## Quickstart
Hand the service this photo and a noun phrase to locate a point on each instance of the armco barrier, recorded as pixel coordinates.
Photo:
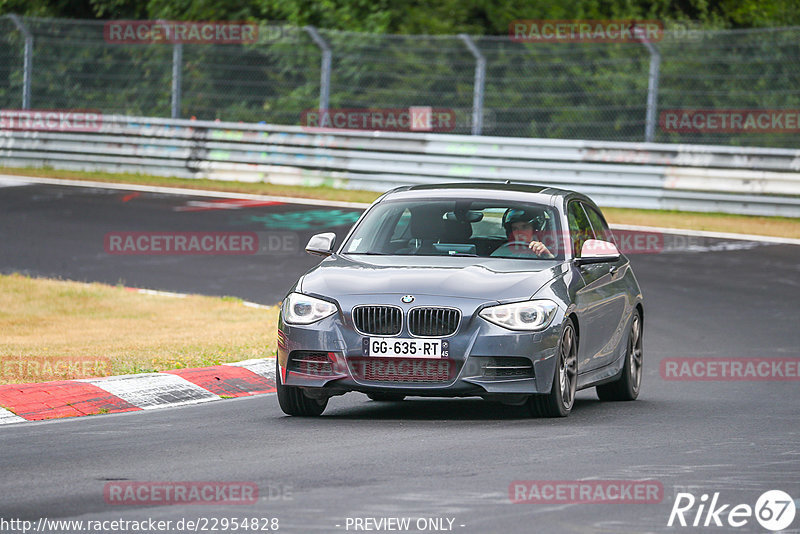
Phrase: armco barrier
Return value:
(757, 181)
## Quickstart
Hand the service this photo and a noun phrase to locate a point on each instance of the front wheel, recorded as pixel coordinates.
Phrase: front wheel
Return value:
(294, 402)
(558, 403)
(626, 388)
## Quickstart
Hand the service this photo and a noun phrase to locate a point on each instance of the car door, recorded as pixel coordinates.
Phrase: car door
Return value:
(600, 303)
(615, 286)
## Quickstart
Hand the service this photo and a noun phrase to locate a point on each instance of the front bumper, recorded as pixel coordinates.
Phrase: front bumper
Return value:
(326, 359)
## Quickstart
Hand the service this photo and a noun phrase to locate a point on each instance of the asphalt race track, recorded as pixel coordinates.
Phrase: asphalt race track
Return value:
(450, 459)
(57, 231)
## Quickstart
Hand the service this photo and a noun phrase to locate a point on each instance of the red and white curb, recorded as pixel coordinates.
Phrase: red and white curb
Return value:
(8, 417)
(128, 393)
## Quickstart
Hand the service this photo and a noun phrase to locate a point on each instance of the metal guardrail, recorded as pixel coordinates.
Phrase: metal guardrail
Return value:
(758, 181)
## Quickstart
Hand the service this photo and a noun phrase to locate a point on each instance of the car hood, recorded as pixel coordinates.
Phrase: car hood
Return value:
(467, 277)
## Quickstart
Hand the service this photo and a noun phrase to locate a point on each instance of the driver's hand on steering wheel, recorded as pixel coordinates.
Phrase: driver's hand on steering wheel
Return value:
(538, 248)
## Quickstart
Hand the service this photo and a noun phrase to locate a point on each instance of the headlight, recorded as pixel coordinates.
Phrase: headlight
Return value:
(528, 315)
(302, 309)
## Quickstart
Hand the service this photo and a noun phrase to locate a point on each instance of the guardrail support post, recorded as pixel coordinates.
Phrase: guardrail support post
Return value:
(325, 67)
(177, 73)
(480, 79)
(652, 90)
(27, 71)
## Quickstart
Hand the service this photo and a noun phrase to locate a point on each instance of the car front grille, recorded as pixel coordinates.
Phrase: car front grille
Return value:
(433, 322)
(378, 320)
(403, 370)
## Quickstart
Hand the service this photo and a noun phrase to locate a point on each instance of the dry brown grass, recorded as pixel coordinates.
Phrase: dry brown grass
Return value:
(712, 222)
(56, 330)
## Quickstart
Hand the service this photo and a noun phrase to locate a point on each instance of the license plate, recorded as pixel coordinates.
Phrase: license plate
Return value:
(392, 347)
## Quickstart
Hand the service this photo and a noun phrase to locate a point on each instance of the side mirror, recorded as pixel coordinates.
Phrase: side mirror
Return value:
(597, 251)
(321, 244)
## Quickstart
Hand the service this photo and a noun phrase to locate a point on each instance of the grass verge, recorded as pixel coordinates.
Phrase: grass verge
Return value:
(712, 222)
(60, 330)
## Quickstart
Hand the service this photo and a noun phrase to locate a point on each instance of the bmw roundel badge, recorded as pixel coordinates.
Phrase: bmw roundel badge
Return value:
(408, 299)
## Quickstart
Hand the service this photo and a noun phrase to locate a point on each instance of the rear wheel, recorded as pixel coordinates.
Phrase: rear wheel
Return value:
(386, 397)
(626, 388)
(294, 402)
(558, 403)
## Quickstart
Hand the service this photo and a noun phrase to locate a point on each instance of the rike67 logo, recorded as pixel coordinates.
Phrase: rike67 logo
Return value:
(774, 511)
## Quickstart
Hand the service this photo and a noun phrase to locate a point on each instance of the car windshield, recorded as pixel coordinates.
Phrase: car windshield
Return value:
(476, 228)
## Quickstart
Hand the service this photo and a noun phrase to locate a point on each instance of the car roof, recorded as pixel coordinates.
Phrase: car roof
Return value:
(493, 190)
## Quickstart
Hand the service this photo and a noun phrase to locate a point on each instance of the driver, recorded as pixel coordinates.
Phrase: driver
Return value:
(521, 230)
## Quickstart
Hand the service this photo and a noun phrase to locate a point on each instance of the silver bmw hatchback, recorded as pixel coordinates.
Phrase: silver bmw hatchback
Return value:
(514, 293)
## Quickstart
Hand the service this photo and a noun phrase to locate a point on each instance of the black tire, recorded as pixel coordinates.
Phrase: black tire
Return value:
(627, 386)
(559, 402)
(294, 402)
(386, 397)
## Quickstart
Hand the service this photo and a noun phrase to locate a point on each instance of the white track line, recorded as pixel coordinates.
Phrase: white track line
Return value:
(359, 205)
(703, 233)
(255, 305)
(10, 181)
(154, 390)
(7, 417)
(159, 293)
(185, 192)
(264, 367)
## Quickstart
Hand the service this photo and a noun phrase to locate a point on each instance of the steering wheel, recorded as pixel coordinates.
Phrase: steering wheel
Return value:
(524, 246)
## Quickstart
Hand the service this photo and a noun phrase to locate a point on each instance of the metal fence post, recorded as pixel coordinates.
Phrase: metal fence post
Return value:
(325, 67)
(27, 71)
(652, 89)
(480, 78)
(177, 73)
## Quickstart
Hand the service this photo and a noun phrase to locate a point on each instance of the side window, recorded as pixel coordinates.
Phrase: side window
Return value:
(579, 227)
(599, 225)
